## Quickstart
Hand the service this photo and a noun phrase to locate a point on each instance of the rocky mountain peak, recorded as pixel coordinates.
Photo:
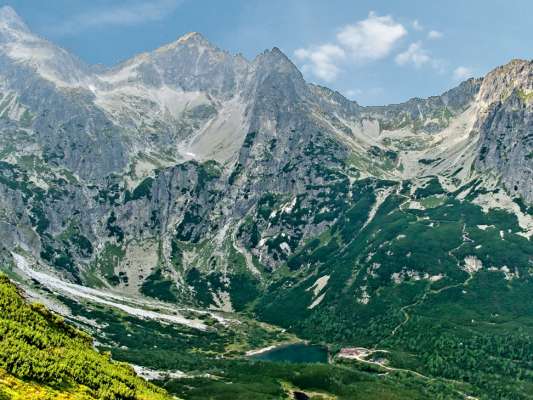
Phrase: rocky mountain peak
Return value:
(10, 20)
(192, 40)
(275, 59)
(275, 69)
(44, 58)
(190, 63)
(503, 80)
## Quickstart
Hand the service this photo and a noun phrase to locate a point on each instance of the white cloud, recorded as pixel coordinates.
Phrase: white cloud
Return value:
(367, 40)
(321, 61)
(415, 55)
(462, 72)
(369, 93)
(417, 26)
(127, 14)
(353, 93)
(372, 38)
(435, 35)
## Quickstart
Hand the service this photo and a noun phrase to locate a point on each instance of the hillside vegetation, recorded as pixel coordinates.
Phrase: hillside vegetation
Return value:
(42, 357)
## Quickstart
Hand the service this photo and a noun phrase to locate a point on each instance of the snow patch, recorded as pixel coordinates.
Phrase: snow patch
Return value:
(317, 301)
(485, 227)
(317, 288)
(287, 209)
(503, 201)
(365, 297)
(381, 196)
(319, 284)
(285, 247)
(509, 275)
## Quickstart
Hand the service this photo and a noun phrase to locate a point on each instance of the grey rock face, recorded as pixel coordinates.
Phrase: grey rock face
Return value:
(69, 129)
(506, 127)
(506, 144)
(99, 159)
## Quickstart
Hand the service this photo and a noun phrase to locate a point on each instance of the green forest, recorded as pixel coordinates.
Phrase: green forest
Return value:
(42, 357)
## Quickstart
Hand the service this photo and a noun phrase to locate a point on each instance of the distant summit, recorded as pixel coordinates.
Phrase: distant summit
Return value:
(9, 19)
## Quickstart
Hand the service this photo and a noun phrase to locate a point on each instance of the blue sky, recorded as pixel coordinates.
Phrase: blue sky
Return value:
(375, 52)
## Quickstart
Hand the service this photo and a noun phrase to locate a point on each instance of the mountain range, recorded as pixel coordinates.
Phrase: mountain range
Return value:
(193, 187)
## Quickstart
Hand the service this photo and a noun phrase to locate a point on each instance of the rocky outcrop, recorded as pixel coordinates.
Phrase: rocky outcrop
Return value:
(505, 127)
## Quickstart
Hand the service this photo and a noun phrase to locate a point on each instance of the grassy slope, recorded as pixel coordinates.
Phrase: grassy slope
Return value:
(12, 388)
(41, 357)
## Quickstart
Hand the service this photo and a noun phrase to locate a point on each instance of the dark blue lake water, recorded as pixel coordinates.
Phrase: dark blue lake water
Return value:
(295, 353)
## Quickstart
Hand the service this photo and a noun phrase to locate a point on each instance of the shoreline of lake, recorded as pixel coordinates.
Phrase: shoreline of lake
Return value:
(299, 352)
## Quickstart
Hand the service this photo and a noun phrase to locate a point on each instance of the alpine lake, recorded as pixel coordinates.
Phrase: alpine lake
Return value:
(295, 353)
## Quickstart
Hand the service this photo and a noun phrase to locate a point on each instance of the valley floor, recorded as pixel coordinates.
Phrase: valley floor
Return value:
(210, 359)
